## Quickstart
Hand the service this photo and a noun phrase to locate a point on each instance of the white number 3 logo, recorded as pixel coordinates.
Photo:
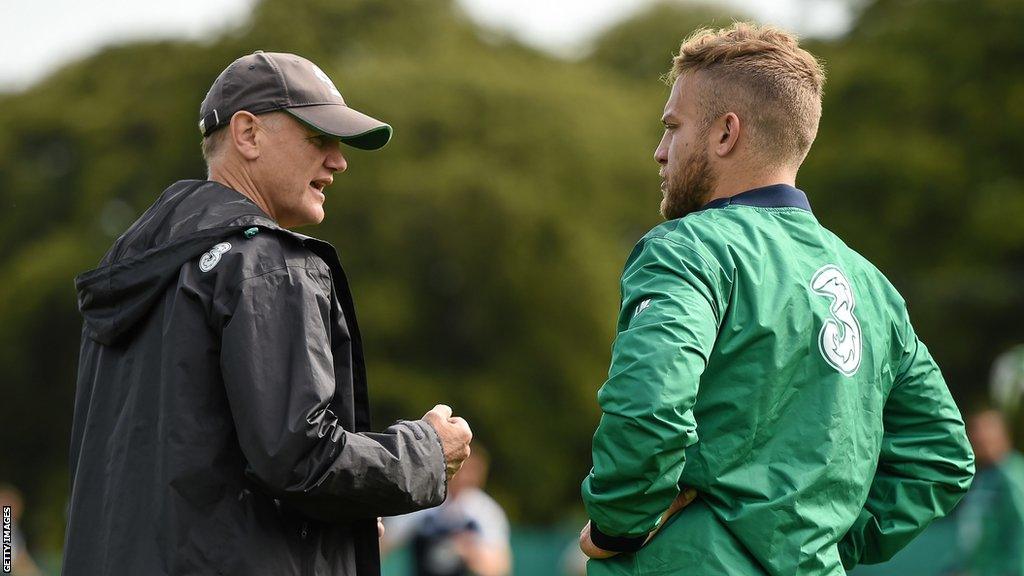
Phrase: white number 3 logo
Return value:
(840, 337)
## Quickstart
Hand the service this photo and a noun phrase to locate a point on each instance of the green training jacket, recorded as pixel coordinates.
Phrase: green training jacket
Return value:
(763, 362)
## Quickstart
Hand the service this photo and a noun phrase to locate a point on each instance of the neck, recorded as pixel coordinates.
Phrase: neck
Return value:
(237, 178)
(733, 182)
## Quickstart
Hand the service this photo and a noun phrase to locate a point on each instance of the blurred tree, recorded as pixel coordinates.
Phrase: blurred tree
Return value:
(642, 46)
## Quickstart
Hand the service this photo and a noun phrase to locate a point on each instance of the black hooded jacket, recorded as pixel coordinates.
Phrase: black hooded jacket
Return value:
(221, 418)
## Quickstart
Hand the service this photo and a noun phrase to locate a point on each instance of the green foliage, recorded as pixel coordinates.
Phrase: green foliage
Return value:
(484, 243)
(642, 47)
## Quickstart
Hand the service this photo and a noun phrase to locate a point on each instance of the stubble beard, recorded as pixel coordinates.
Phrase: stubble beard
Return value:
(691, 189)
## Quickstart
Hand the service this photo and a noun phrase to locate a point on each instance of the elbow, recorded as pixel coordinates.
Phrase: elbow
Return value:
(289, 467)
(970, 468)
(964, 471)
(281, 478)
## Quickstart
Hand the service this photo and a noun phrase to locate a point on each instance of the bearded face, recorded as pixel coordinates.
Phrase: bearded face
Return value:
(688, 177)
(688, 185)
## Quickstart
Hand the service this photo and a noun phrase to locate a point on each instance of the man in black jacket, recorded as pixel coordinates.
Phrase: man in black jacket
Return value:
(221, 418)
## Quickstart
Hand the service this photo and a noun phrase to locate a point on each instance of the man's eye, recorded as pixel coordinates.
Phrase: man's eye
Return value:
(318, 141)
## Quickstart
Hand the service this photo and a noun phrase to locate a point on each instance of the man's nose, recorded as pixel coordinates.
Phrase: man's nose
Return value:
(336, 160)
(661, 152)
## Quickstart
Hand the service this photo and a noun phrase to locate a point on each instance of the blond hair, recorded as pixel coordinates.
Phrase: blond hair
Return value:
(762, 75)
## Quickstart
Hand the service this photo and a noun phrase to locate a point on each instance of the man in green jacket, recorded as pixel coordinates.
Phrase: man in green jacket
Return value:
(760, 365)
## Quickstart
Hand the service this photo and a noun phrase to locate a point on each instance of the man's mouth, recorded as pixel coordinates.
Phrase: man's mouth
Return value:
(320, 183)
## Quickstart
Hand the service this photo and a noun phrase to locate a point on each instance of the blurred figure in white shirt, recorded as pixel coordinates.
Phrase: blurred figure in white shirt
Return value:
(466, 535)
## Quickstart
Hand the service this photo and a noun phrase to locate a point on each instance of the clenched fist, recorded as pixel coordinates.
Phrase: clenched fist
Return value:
(455, 436)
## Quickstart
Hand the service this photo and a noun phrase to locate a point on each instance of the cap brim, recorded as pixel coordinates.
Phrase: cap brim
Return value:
(348, 125)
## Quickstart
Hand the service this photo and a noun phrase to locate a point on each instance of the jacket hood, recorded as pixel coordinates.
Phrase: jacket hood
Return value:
(187, 219)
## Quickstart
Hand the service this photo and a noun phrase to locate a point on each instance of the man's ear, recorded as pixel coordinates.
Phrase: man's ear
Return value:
(726, 133)
(243, 134)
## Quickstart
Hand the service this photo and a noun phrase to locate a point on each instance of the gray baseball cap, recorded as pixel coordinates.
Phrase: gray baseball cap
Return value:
(263, 82)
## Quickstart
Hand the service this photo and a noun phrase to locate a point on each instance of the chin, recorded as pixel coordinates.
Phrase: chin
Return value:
(308, 218)
(313, 219)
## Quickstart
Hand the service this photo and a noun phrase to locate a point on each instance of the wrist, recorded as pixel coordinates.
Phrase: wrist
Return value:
(615, 543)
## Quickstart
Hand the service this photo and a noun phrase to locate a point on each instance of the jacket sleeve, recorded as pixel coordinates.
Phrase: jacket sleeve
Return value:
(666, 330)
(925, 465)
(278, 371)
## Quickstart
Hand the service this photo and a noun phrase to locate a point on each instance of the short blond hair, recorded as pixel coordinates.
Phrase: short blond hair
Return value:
(761, 74)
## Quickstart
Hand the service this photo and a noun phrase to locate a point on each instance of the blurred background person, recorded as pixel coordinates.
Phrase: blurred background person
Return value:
(466, 535)
(22, 562)
(990, 520)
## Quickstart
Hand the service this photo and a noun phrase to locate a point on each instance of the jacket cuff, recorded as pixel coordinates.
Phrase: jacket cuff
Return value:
(427, 429)
(615, 543)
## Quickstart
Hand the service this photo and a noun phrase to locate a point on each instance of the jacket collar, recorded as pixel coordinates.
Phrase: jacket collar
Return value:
(773, 196)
